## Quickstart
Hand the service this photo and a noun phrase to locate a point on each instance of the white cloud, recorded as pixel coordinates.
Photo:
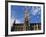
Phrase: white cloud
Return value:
(18, 21)
(35, 10)
(12, 20)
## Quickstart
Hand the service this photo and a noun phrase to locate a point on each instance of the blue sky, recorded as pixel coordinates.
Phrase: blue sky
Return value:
(17, 12)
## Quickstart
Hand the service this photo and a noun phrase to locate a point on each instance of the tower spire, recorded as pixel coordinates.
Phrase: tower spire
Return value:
(26, 18)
